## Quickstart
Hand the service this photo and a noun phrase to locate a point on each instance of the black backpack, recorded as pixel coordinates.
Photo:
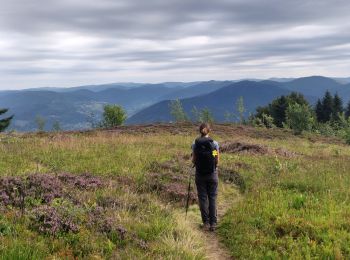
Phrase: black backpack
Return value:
(205, 159)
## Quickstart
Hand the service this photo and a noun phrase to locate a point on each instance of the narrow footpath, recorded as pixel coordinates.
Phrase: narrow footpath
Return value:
(214, 249)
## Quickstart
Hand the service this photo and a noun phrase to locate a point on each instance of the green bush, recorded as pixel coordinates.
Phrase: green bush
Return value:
(113, 115)
(177, 111)
(299, 118)
(346, 135)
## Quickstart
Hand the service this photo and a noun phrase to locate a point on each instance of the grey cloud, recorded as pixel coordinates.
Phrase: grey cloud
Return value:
(107, 38)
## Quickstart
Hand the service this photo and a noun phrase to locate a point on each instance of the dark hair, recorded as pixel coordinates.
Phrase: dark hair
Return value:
(204, 129)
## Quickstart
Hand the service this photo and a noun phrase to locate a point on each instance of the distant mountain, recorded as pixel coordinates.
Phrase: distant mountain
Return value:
(219, 102)
(121, 85)
(150, 102)
(281, 79)
(313, 86)
(94, 88)
(196, 90)
(72, 107)
(342, 80)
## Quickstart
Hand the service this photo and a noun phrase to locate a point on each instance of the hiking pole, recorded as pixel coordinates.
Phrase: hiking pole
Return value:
(188, 192)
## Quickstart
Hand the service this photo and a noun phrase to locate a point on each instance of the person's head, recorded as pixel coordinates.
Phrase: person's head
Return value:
(204, 129)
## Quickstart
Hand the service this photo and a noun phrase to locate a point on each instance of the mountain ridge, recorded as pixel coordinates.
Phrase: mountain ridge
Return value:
(73, 107)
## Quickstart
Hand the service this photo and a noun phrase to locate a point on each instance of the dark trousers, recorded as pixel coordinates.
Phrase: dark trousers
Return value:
(207, 189)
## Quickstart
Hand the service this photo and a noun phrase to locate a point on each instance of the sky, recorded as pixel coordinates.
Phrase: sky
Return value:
(62, 43)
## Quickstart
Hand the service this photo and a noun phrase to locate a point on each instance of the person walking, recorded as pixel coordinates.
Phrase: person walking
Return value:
(205, 157)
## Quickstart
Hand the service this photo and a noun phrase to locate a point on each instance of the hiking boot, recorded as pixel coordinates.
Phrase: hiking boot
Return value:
(205, 226)
(212, 227)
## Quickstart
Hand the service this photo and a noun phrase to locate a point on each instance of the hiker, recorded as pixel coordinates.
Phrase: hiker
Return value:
(205, 157)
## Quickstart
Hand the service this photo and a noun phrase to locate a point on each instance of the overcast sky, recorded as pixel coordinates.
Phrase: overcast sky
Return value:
(75, 42)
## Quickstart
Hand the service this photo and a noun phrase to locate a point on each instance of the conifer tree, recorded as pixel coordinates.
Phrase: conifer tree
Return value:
(327, 107)
(4, 123)
(278, 110)
(337, 105)
(319, 111)
(347, 110)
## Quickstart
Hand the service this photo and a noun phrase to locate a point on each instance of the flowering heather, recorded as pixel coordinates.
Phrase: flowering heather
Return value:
(98, 220)
(44, 187)
(82, 181)
(10, 190)
(52, 221)
(105, 224)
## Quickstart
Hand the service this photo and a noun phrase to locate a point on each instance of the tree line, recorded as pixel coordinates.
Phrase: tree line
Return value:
(113, 115)
(293, 111)
(328, 116)
(205, 115)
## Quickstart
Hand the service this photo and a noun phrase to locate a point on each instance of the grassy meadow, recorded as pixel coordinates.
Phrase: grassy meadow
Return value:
(289, 204)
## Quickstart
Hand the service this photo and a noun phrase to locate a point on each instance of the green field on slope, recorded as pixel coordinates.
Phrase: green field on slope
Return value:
(121, 193)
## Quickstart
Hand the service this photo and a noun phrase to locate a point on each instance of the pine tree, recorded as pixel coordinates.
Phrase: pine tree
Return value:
(327, 105)
(347, 110)
(297, 98)
(319, 111)
(278, 110)
(4, 123)
(337, 105)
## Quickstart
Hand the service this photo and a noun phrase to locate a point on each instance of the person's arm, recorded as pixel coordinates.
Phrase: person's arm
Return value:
(217, 158)
(193, 154)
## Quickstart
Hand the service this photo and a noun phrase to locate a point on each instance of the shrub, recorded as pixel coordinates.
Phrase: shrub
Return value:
(206, 116)
(40, 122)
(299, 118)
(177, 111)
(43, 186)
(347, 135)
(241, 109)
(264, 120)
(113, 115)
(52, 220)
(82, 181)
(11, 189)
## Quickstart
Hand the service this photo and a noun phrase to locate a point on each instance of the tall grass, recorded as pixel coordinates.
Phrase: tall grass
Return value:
(295, 207)
(108, 155)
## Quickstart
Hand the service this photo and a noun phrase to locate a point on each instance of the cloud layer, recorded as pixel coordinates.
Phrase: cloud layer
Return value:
(73, 42)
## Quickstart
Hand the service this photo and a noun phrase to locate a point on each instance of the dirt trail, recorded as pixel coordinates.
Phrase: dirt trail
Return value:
(228, 195)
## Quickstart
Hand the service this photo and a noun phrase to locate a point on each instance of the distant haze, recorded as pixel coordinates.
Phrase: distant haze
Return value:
(61, 43)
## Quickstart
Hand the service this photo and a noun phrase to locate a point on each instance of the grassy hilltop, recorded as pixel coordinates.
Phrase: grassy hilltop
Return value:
(121, 193)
